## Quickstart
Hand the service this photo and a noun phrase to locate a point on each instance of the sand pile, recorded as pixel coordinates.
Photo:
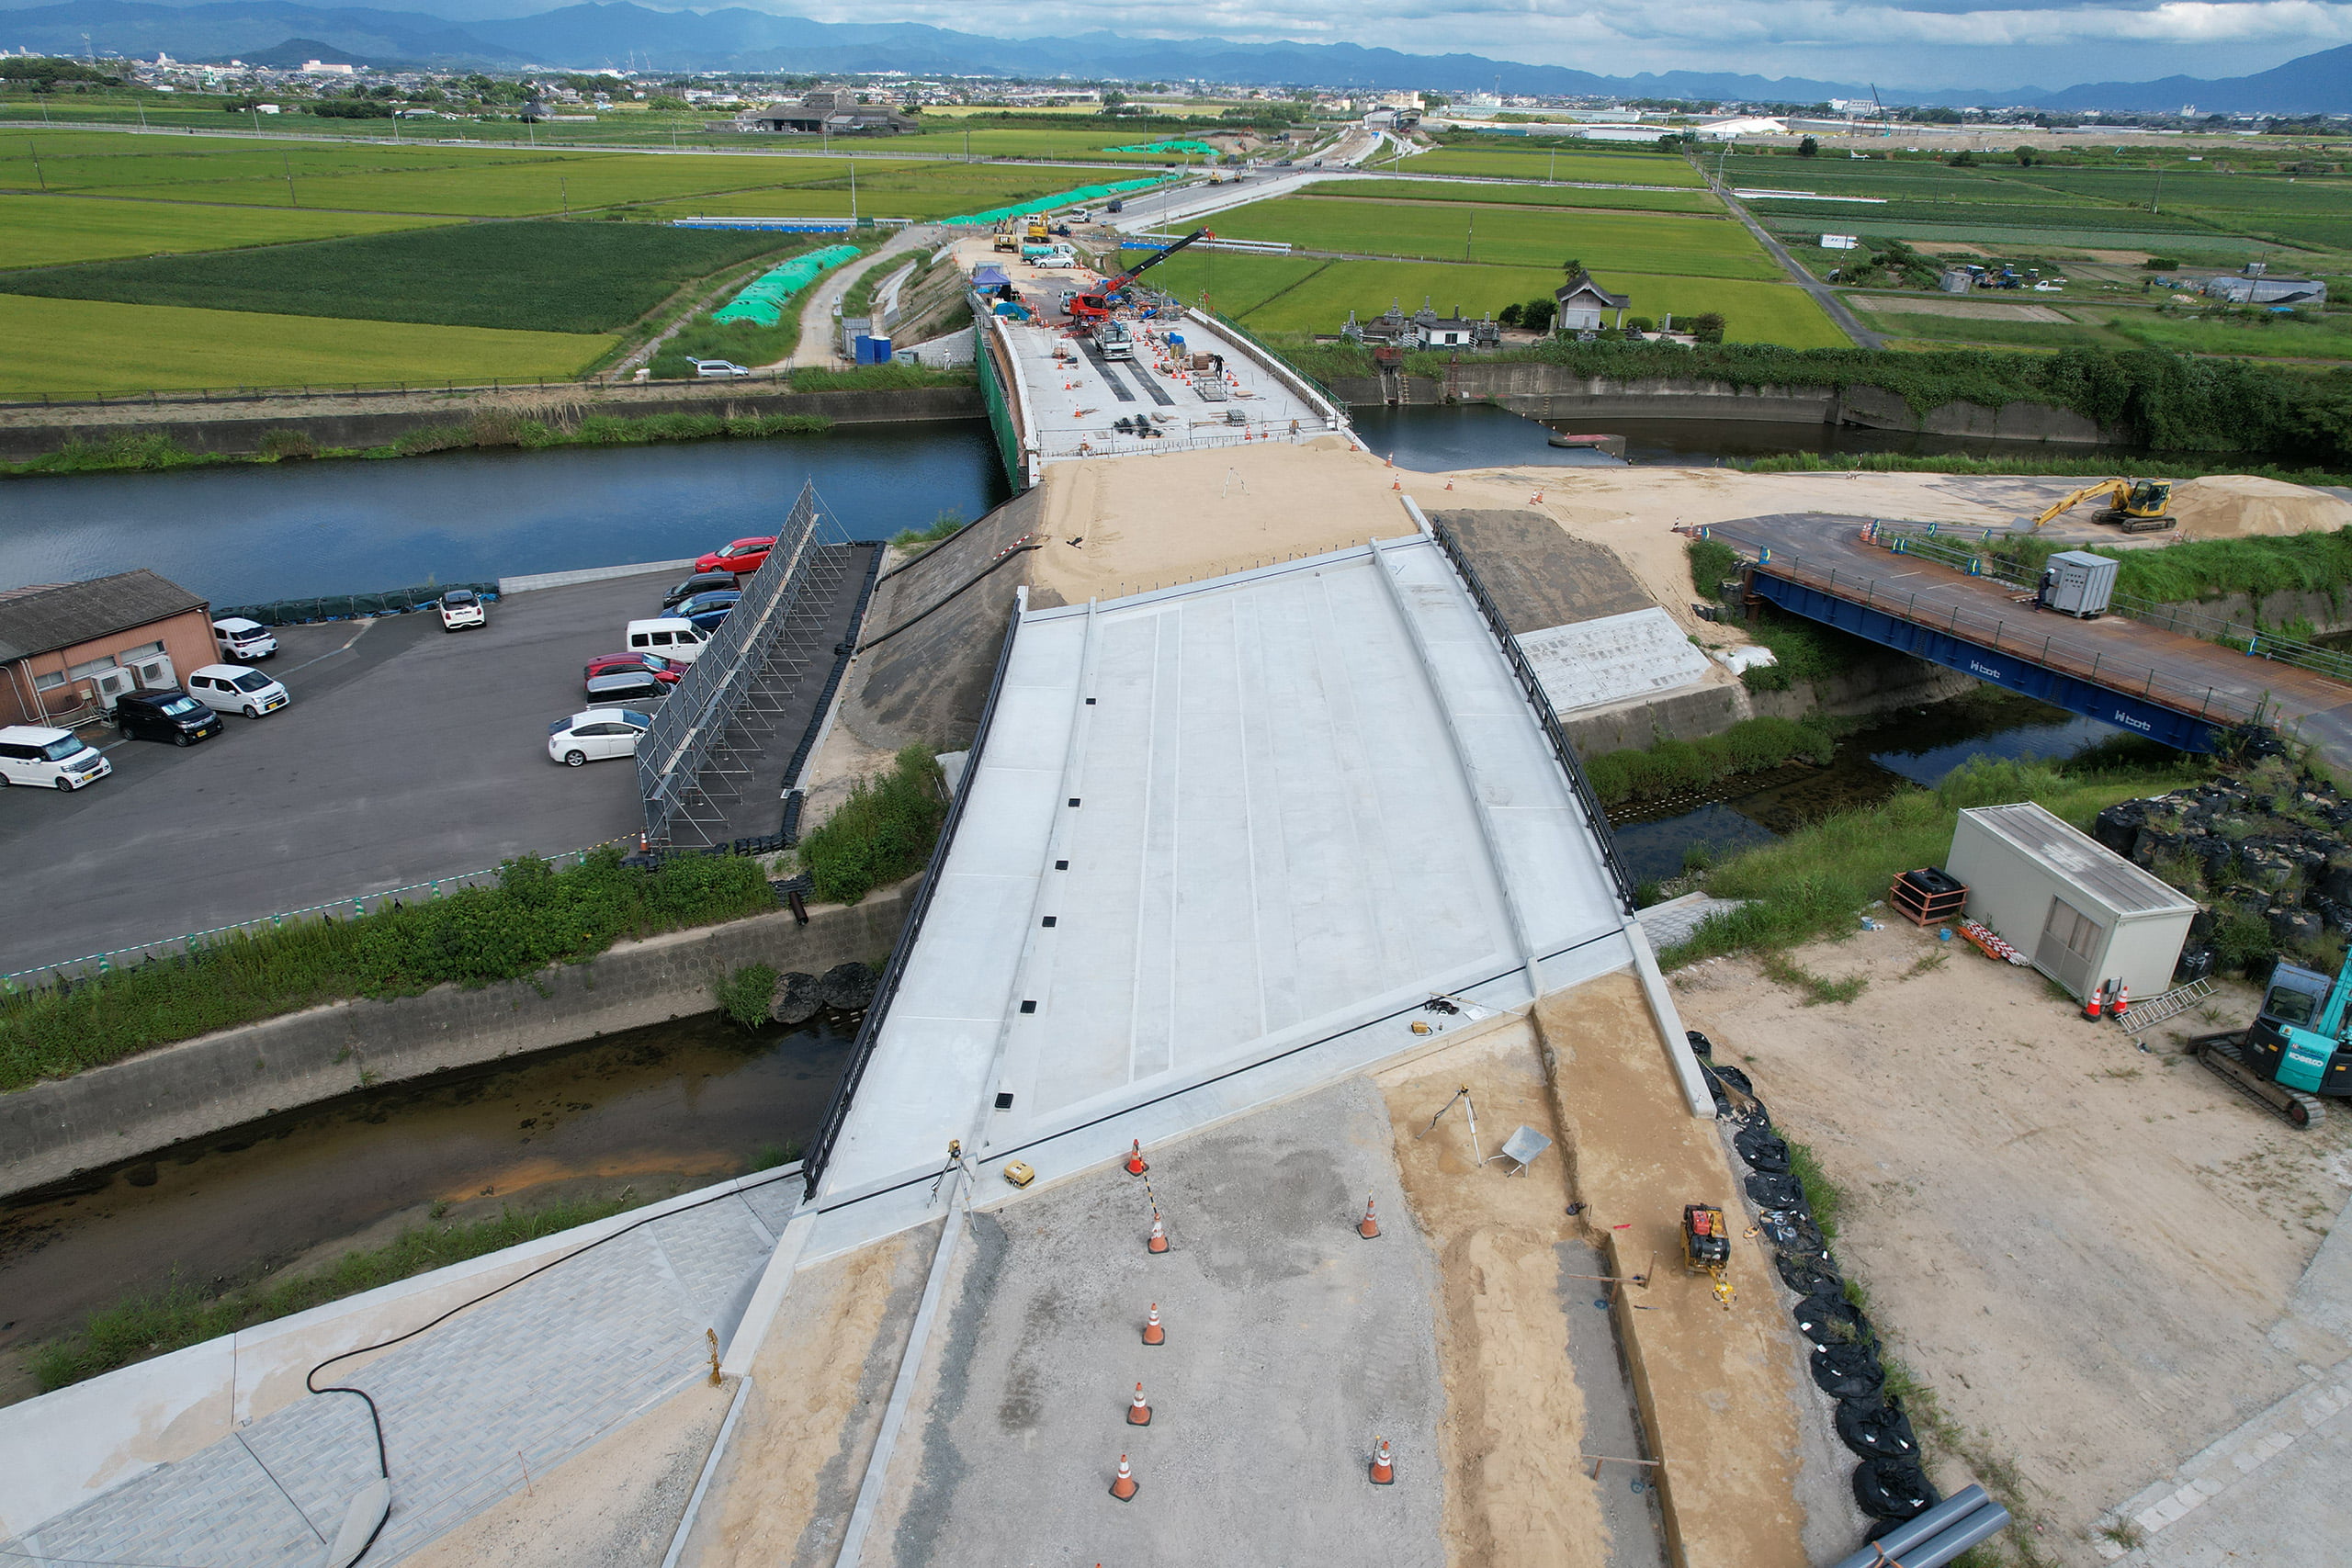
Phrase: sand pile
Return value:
(2239, 506)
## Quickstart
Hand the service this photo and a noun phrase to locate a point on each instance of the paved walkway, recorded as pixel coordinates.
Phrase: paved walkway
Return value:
(470, 1410)
(820, 329)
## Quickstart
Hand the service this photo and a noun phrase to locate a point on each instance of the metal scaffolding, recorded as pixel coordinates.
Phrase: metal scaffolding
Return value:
(719, 720)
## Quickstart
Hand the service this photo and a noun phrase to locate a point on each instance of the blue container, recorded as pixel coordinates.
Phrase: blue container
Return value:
(881, 351)
(864, 347)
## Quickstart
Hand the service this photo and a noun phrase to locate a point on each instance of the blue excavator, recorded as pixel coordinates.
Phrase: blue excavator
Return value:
(2293, 1057)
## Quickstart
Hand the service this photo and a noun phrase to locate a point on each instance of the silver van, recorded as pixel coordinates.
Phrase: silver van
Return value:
(667, 636)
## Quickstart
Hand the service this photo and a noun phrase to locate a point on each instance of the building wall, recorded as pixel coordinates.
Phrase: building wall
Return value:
(187, 638)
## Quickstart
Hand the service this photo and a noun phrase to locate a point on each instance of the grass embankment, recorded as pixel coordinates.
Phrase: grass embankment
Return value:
(2149, 398)
(535, 917)
(149, 1326)
(2050, 467)
(884, 832)
(1815, 882)
(2209, 568)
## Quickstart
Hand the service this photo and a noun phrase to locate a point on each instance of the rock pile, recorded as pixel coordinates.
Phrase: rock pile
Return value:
(2268, 856)
(846, 988)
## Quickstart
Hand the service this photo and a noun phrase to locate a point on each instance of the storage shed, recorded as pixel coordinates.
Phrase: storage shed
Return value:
(2083, 913)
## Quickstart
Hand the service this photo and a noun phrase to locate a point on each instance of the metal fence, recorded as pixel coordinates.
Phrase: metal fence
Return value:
(878, 1011)
(705, 733)
(1596, 819)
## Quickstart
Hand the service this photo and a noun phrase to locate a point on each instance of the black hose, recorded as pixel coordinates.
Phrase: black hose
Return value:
(375, 1417)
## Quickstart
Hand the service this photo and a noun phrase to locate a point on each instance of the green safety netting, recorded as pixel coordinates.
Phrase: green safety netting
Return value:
(1174, 146)
(763, 298)
(1049, 203)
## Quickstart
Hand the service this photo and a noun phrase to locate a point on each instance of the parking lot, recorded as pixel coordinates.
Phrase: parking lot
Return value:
(407, 753)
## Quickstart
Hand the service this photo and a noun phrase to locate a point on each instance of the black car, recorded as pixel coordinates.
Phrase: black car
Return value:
(172, 716)
(700, 583)
(617, 686)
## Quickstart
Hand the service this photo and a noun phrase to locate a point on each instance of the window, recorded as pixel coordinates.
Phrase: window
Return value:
(251, 681)
(48, 680)
(144, 650)
(83, 671)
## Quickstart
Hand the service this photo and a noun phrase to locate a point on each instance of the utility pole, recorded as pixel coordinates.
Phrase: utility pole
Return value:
(564, 186)
(853, 192)
(37, 174)
(287, 159)
(143, 113)
(2158, 204)
(1469, 234)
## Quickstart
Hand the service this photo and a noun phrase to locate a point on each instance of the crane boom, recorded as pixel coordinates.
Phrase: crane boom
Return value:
(1096, 305)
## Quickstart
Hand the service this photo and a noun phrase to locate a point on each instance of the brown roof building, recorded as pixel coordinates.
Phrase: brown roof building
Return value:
(60, 643)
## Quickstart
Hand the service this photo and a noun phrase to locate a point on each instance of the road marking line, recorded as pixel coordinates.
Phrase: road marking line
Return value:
(322, 658)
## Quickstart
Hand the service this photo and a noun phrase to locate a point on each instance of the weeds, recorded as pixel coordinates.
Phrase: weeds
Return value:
(914, 541)
(1927, 964)
(1673, 766)
(1815, 989)
(1823, 1196)
(884, 832)
(746, 994)
(177, 1316)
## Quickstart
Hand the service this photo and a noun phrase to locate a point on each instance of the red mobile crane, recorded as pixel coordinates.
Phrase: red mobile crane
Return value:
(1087, 310)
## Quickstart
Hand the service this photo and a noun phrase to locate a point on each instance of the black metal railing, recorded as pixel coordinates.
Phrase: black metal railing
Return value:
(1596, 819)
(869, 1030)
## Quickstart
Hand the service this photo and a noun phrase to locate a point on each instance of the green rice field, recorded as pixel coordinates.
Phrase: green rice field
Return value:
(52, 231)
(1618, 196)
(1639, 243)
(76, 347)
(1569, 162)
(534, 275)
(1298, 294)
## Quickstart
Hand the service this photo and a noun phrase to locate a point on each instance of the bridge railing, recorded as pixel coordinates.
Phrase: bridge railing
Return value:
(2220, 629)
(2017, 635)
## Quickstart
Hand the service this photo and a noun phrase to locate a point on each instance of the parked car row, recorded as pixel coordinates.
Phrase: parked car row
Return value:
(59, 759)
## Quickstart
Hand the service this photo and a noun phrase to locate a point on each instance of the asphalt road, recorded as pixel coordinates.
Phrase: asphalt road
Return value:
(1828, 298)
(407, 753)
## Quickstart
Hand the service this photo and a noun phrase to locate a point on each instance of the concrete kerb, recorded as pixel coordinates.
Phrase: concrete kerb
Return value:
(1677, 1040)
(78, 1441)
(531, 580)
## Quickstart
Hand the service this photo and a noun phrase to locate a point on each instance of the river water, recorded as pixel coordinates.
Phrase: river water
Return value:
(644, 1113)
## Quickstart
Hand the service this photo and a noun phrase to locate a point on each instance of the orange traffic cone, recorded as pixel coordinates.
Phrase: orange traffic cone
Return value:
(2122, 1008)
(1139, 1413)
(1135, 1165)
(1383, 1468)
(1123, 1486)
(1449, 484)
(1539, 498)
(1392, 459)
(2092, 1003)
(1152, 1332)
(1367, 1227)
(1158, 1242)
(1395, 484)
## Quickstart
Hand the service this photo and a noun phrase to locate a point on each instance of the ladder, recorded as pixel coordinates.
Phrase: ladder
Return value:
(2167, 1007)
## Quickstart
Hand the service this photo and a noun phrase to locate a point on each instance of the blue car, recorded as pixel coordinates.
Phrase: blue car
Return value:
(721, 599)
(706, 621)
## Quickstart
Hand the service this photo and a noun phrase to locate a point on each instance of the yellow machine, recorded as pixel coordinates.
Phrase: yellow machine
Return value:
(1706, 1247)
(1008, 237)
(2138, 505)
(1039, 233)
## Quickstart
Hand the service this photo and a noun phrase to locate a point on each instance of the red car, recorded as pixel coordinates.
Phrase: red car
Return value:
(668, 671)
(744, 555)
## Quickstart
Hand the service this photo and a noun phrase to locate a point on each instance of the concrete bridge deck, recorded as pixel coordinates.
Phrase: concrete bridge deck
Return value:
(2144, 667)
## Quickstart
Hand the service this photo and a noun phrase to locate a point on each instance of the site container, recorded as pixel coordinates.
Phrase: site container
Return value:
(2081, 912)
(2084, 584)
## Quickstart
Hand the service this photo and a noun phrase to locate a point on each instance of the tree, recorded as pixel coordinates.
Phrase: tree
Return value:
(1114, 100)
(1572, 268)
(1808, 148)
(1964, 159)
(1536, 315)
(1708, 328)
(1508, 316)
(2026, 157)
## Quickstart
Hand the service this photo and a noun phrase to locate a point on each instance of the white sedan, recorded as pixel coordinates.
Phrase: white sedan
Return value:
(596, 734)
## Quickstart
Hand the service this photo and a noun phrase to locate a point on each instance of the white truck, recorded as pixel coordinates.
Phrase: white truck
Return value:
(1116, 341)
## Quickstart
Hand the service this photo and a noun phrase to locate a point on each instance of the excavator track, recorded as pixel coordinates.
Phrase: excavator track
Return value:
(2221, 1052)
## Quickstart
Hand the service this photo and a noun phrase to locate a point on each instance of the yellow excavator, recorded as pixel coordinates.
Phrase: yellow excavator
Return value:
(2137, 506)
(1008, 236)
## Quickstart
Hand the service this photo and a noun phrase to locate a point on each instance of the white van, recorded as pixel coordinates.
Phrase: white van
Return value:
(670, 637)
(232, 688)
(49, 759)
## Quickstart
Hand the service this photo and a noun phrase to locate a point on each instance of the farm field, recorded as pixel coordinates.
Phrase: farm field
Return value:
(1618, 196)
(75, 347)
(1294, 294)
(542, 276)
(1604, 240)
(51, 231)
(1570, 162)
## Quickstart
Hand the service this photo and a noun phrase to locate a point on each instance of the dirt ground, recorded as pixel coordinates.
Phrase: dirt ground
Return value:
(1503, 1335)
(2078, 1245)
(2236, 506)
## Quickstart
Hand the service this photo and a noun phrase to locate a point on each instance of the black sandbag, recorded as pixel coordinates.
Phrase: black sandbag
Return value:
(849, 986)
(1807, 1277)
(795, 999)
(1735, 1078)
(1848, 1372)
(1699, 1043)
(1893, 1489)
(1876, 1428)
(1762, 1148)
(1773, 1190)
(1833, 1320)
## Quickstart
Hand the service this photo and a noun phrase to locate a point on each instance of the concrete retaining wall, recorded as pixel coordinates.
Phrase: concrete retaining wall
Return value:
(237, 429)
(1556, 392)
(178, 1093)
(1694, 712)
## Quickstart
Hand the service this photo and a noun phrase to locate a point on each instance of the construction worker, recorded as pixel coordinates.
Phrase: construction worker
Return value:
(2041, 588)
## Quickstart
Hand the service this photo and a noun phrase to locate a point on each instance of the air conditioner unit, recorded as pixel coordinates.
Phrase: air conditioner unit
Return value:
(111, 683)
(154, 673)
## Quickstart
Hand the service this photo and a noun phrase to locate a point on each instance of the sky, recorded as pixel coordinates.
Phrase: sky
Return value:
(1913, 43)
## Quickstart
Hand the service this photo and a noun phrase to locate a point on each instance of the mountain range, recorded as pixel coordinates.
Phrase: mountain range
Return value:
(624, 35)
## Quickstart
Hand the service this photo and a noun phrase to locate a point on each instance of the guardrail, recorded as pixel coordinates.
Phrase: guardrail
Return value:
(45, 975)
(1531, 684)
(2279, 648)
(728, 681)
(885, 989)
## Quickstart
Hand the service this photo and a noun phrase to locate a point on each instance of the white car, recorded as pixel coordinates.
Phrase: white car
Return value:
(596, 734)
(232, 688)
(718, 369)
(56, 758)
(460, 608)
(242, 639)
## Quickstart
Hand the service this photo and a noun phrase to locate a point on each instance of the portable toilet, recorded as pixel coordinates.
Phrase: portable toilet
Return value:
(881, 350)
(2082, 914)
(2084, 584)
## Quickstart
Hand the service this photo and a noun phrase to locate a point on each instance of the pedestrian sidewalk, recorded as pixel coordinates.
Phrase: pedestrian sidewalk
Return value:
(471, 1409)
